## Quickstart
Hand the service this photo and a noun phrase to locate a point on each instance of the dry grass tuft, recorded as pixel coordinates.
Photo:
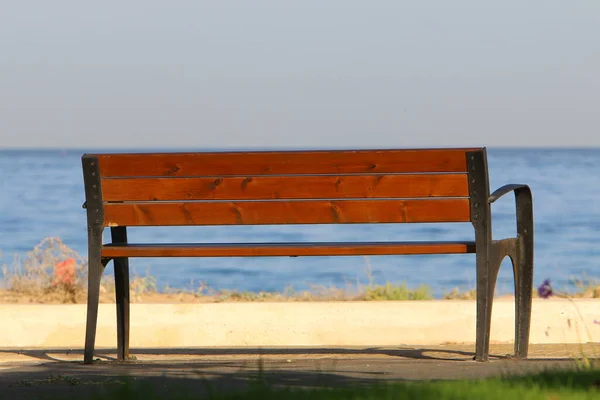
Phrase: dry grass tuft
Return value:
(38, 277)
(34, 276)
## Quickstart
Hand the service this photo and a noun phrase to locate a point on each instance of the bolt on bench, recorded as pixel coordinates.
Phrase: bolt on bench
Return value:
(303, 187)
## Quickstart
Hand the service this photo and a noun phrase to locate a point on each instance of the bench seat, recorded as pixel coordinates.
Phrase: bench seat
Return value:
(284, 249)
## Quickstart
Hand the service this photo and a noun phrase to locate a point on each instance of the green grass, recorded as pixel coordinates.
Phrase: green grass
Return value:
(397, 292)
(563, 385)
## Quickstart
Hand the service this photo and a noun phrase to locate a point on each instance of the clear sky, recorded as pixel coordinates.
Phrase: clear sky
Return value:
(306, 73)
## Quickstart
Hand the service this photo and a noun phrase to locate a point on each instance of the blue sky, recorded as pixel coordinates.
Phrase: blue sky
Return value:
(337, 73)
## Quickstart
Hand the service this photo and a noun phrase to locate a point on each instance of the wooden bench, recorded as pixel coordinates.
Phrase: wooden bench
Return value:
(303, 187)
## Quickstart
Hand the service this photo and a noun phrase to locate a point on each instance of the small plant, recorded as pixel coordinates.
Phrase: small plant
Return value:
(54, 273)
(397, 292)
(50, 270)
(586, 287)
(456, 294)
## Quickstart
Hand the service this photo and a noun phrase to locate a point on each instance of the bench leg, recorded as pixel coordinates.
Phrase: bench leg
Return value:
(122, 300)
(520, 252)
(485, 296)
(481, 217)
(122, 294)
(523, 272)
(95, 270)
(488, 266)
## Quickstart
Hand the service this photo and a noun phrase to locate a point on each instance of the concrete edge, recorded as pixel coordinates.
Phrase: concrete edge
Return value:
(385, 323)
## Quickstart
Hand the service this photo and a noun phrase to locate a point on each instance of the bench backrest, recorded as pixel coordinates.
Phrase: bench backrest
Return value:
(288, 187)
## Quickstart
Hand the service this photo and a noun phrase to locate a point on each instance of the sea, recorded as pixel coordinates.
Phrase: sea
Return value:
(41, 195)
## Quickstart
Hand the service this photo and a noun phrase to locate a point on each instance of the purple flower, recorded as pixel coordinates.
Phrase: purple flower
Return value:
(545, 289)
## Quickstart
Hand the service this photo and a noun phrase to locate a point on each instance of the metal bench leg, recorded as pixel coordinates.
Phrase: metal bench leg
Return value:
(489, 267)
(119, 235)
(485, 297)
(523, 274)
(523, 271)
(95, 223)
(481, 219)
(95, 270)
(521, 254)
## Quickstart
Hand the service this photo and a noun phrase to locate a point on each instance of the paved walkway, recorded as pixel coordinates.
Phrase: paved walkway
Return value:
(33, 374)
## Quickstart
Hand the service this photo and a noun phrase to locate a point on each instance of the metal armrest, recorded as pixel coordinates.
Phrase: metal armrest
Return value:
(522, 260)
(524, 206)
(517, 188)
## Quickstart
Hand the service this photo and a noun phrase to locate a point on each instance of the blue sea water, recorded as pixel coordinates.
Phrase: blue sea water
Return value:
(41, 193)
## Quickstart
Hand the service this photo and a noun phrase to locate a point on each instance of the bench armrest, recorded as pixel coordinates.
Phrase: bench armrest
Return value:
(517, 188)
(524, 207)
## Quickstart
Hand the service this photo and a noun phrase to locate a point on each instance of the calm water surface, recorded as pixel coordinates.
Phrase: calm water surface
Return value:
(42, 192)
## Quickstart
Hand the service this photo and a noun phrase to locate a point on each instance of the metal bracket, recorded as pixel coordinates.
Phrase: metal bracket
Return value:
(93, 193)
(479, 189)
(479, 192)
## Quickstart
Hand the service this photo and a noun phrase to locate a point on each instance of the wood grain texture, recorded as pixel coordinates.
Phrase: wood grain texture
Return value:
(286, 187)
(286, 249)
(285, 212)
(284, 162)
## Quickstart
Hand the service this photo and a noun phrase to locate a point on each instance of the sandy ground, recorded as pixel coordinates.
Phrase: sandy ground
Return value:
(36, 373)
(375, 323)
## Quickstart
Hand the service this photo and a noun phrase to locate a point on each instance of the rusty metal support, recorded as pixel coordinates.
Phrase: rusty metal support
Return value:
(490, 254)
(481, 220)
(95, 224)
(520, 251)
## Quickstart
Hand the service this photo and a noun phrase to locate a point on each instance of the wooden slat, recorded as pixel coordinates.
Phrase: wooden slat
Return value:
(286, 187)
(286, 249)
(285, 212)
(286, 162)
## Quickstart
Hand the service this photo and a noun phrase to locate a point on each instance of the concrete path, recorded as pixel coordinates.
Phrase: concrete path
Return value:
(37, 373)
(350, 323)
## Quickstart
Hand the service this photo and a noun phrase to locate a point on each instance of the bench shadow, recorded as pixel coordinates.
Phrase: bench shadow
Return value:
(163, 380)
(421, 353)
(191, 372)
(209, 370)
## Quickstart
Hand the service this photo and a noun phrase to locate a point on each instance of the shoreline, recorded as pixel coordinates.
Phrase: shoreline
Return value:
(53, 273)
(143, 291)
(10, 297)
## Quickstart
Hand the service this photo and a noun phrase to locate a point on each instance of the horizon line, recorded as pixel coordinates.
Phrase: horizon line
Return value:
(142, 149)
